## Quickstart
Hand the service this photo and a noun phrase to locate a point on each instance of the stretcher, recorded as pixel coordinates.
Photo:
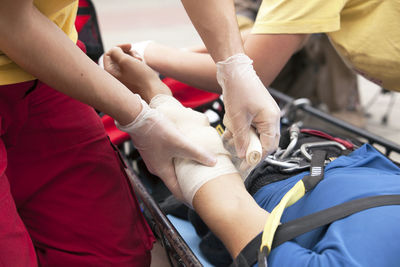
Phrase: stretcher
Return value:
(293, 110)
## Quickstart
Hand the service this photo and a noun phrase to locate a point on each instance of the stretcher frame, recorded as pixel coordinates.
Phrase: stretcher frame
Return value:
(178, 251)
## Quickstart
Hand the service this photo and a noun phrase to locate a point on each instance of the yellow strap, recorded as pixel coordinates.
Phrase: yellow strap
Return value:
(220, 129)
(291, 197)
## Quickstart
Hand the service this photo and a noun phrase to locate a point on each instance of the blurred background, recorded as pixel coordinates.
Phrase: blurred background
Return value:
(165, 21)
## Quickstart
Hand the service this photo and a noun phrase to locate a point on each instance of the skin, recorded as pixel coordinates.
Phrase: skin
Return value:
(41, 48)
(216, 23)
(198, 69)
(210, 200)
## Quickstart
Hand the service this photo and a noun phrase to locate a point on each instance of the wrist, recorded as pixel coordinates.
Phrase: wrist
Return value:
(135, 108)
(149, 89)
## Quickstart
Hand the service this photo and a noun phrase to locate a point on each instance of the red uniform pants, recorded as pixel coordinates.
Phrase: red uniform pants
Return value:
(64, 198)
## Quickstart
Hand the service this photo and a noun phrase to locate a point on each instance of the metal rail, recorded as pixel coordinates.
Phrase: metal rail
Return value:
(166, 228)
(370, 137)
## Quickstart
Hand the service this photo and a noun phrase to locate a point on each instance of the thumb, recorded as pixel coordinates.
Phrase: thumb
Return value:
(241, 138)
(239, 126)
(269, 136)
(125, 47)
(171, 181)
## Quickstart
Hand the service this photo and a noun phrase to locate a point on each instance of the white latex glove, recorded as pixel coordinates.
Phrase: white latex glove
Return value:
(247, 102)
(196, 127)
(158, 142)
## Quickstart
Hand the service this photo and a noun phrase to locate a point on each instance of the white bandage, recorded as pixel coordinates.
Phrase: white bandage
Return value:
(194, 125)
(140, 48)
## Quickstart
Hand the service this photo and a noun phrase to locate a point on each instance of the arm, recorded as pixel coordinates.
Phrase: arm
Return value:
(195, 69)
(269, 52)
(230, 212)
(42, 49)
(216, 23)
(222, 201)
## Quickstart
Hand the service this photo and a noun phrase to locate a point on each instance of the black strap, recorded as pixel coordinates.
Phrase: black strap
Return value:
(316, 170)
(248, 255)
(287, 231)
(294, 228)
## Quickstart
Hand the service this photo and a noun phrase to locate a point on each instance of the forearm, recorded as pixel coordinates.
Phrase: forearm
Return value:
(270, 52)
(216, 23)
(230, 212)
(39, 47)
(195, 69)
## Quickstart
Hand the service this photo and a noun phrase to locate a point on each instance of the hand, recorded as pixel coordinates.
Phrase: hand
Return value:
(158, 142)
(247, 102)
(127, 66)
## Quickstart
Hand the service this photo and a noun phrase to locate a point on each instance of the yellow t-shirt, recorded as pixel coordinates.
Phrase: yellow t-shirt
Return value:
(63, 14)
(366, 33)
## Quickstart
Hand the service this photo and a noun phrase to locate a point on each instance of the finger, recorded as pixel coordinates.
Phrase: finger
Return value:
(125, 47)
(116, 54)
(278, 134)
(106, 61)
(240, 128)
(241, 139)
(277, 138)
(110, 66)
(227, 134)
(229, 145)
(170, 180)
(136, 55)
(268, 143)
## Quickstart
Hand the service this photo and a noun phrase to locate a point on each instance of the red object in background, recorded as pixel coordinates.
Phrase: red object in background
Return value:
(189, 97)
(347, 144)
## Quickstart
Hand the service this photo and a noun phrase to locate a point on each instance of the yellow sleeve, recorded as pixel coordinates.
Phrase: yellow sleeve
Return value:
(298, 16)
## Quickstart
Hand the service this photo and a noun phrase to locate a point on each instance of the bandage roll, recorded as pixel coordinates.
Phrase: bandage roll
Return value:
(254, 150)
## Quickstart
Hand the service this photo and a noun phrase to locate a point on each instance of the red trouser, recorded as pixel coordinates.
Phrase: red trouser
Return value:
(64, 198)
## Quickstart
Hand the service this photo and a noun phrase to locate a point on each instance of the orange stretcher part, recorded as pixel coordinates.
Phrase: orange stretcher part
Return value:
(189, 97)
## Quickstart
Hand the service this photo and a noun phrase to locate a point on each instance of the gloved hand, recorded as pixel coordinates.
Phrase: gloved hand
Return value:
(196, 127)
(158, 142)
(247, 102)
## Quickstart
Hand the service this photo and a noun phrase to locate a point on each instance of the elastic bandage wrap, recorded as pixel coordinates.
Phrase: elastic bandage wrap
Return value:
(253, 152)
(195, 126)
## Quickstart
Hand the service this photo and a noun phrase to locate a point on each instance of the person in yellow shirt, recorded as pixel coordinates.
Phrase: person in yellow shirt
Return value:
(364, 33)
(65, 199)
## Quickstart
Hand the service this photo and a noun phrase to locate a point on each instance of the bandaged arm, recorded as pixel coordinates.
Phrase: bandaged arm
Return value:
(194, 125)
(217, 193)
